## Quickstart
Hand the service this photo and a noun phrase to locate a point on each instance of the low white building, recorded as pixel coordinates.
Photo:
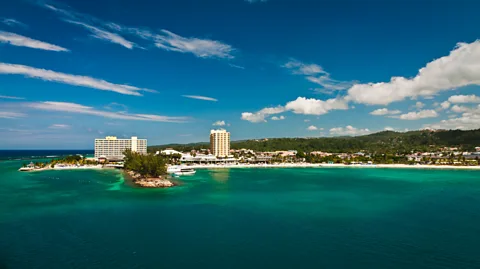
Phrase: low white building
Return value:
(169, 152)
(203, 158)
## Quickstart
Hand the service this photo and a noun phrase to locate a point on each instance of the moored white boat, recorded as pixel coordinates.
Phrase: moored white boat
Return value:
(173, 169)
(26, 169)
(185, 172)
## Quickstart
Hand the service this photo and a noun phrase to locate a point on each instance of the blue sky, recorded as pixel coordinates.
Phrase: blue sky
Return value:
(169, 71)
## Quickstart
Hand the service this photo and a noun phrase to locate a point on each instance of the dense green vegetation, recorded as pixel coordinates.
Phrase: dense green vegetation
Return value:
(386, 142)
(68, 160)
(72, 160)
(148, 165)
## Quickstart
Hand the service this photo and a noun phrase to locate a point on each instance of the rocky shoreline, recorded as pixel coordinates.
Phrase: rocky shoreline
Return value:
(160, 182)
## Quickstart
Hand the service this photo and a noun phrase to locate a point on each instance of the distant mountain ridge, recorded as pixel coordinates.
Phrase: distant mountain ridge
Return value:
(381, 142)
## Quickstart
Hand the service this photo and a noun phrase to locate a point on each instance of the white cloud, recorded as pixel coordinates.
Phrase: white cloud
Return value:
(458, 69)
(11, 115)
(300, 68)
(384, 111)
(86, 22)
(219, 123)
(312, 128)
(11, 97)
(198, 97)
(12, 22)
(419, 105)
(315, 73)
(388, 129)
(419, 115)
(277, 118)
(445, 105)
(203, 48)
(260, 115)
(23, 41)
(464, 99)
(236, 66)
(117, 106)
(301, 105)
(105, 35)
(113, 123)
(75, 80)
(467, 121)
(313, 106)
(306, 120)
(348, 130)
(460, 109)
(59, 126)
(81, 109)
(329, 84)
(253, 117)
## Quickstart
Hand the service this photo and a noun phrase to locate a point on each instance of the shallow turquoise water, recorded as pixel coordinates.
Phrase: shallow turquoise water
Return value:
(242, 218)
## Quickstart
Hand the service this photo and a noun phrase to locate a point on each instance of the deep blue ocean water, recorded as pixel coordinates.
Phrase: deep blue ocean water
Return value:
(241, 218)
(36, 154)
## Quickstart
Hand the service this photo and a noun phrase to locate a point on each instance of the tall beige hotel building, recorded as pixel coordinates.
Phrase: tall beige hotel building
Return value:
(112, 148)
(220, 143)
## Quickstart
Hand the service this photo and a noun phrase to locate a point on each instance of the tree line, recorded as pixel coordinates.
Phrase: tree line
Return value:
(386, 142)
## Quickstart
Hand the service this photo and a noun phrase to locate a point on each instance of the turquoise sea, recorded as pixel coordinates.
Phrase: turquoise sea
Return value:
(241, 218)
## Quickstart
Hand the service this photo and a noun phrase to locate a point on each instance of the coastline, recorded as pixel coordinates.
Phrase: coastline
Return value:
(85, 167)
(310, 165)
(285, 165)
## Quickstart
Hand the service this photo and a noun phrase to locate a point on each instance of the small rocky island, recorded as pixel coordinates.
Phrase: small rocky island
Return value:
(150, 182)
(148, 171)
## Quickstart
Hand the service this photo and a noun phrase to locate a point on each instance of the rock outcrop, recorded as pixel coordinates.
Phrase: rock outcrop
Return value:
(159, 182)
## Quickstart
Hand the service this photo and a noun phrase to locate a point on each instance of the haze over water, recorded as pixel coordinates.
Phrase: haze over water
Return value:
(242, 218)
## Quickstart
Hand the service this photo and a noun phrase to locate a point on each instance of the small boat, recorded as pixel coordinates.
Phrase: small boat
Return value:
(25, 169)
(185, 172)
(173, 169)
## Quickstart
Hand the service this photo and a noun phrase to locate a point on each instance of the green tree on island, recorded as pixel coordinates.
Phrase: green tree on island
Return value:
(148, 165)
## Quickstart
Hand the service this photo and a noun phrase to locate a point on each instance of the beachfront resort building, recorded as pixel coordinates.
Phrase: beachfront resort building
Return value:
(220, 143)
(112, 148)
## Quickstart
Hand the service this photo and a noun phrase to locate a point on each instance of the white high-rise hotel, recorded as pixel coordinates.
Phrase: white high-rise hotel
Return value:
(220, 143)
(113, 148)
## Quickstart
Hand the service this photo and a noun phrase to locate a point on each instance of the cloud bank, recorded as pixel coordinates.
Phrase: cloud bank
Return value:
(458, 69)
(348, 131)
(464, 99)
(419, 115)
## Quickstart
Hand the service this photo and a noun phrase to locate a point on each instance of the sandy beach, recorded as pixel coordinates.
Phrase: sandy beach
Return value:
(283, 165)
(73, 167)
(310, 165)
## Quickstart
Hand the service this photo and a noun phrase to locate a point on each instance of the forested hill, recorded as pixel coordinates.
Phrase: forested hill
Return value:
(387, 141)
